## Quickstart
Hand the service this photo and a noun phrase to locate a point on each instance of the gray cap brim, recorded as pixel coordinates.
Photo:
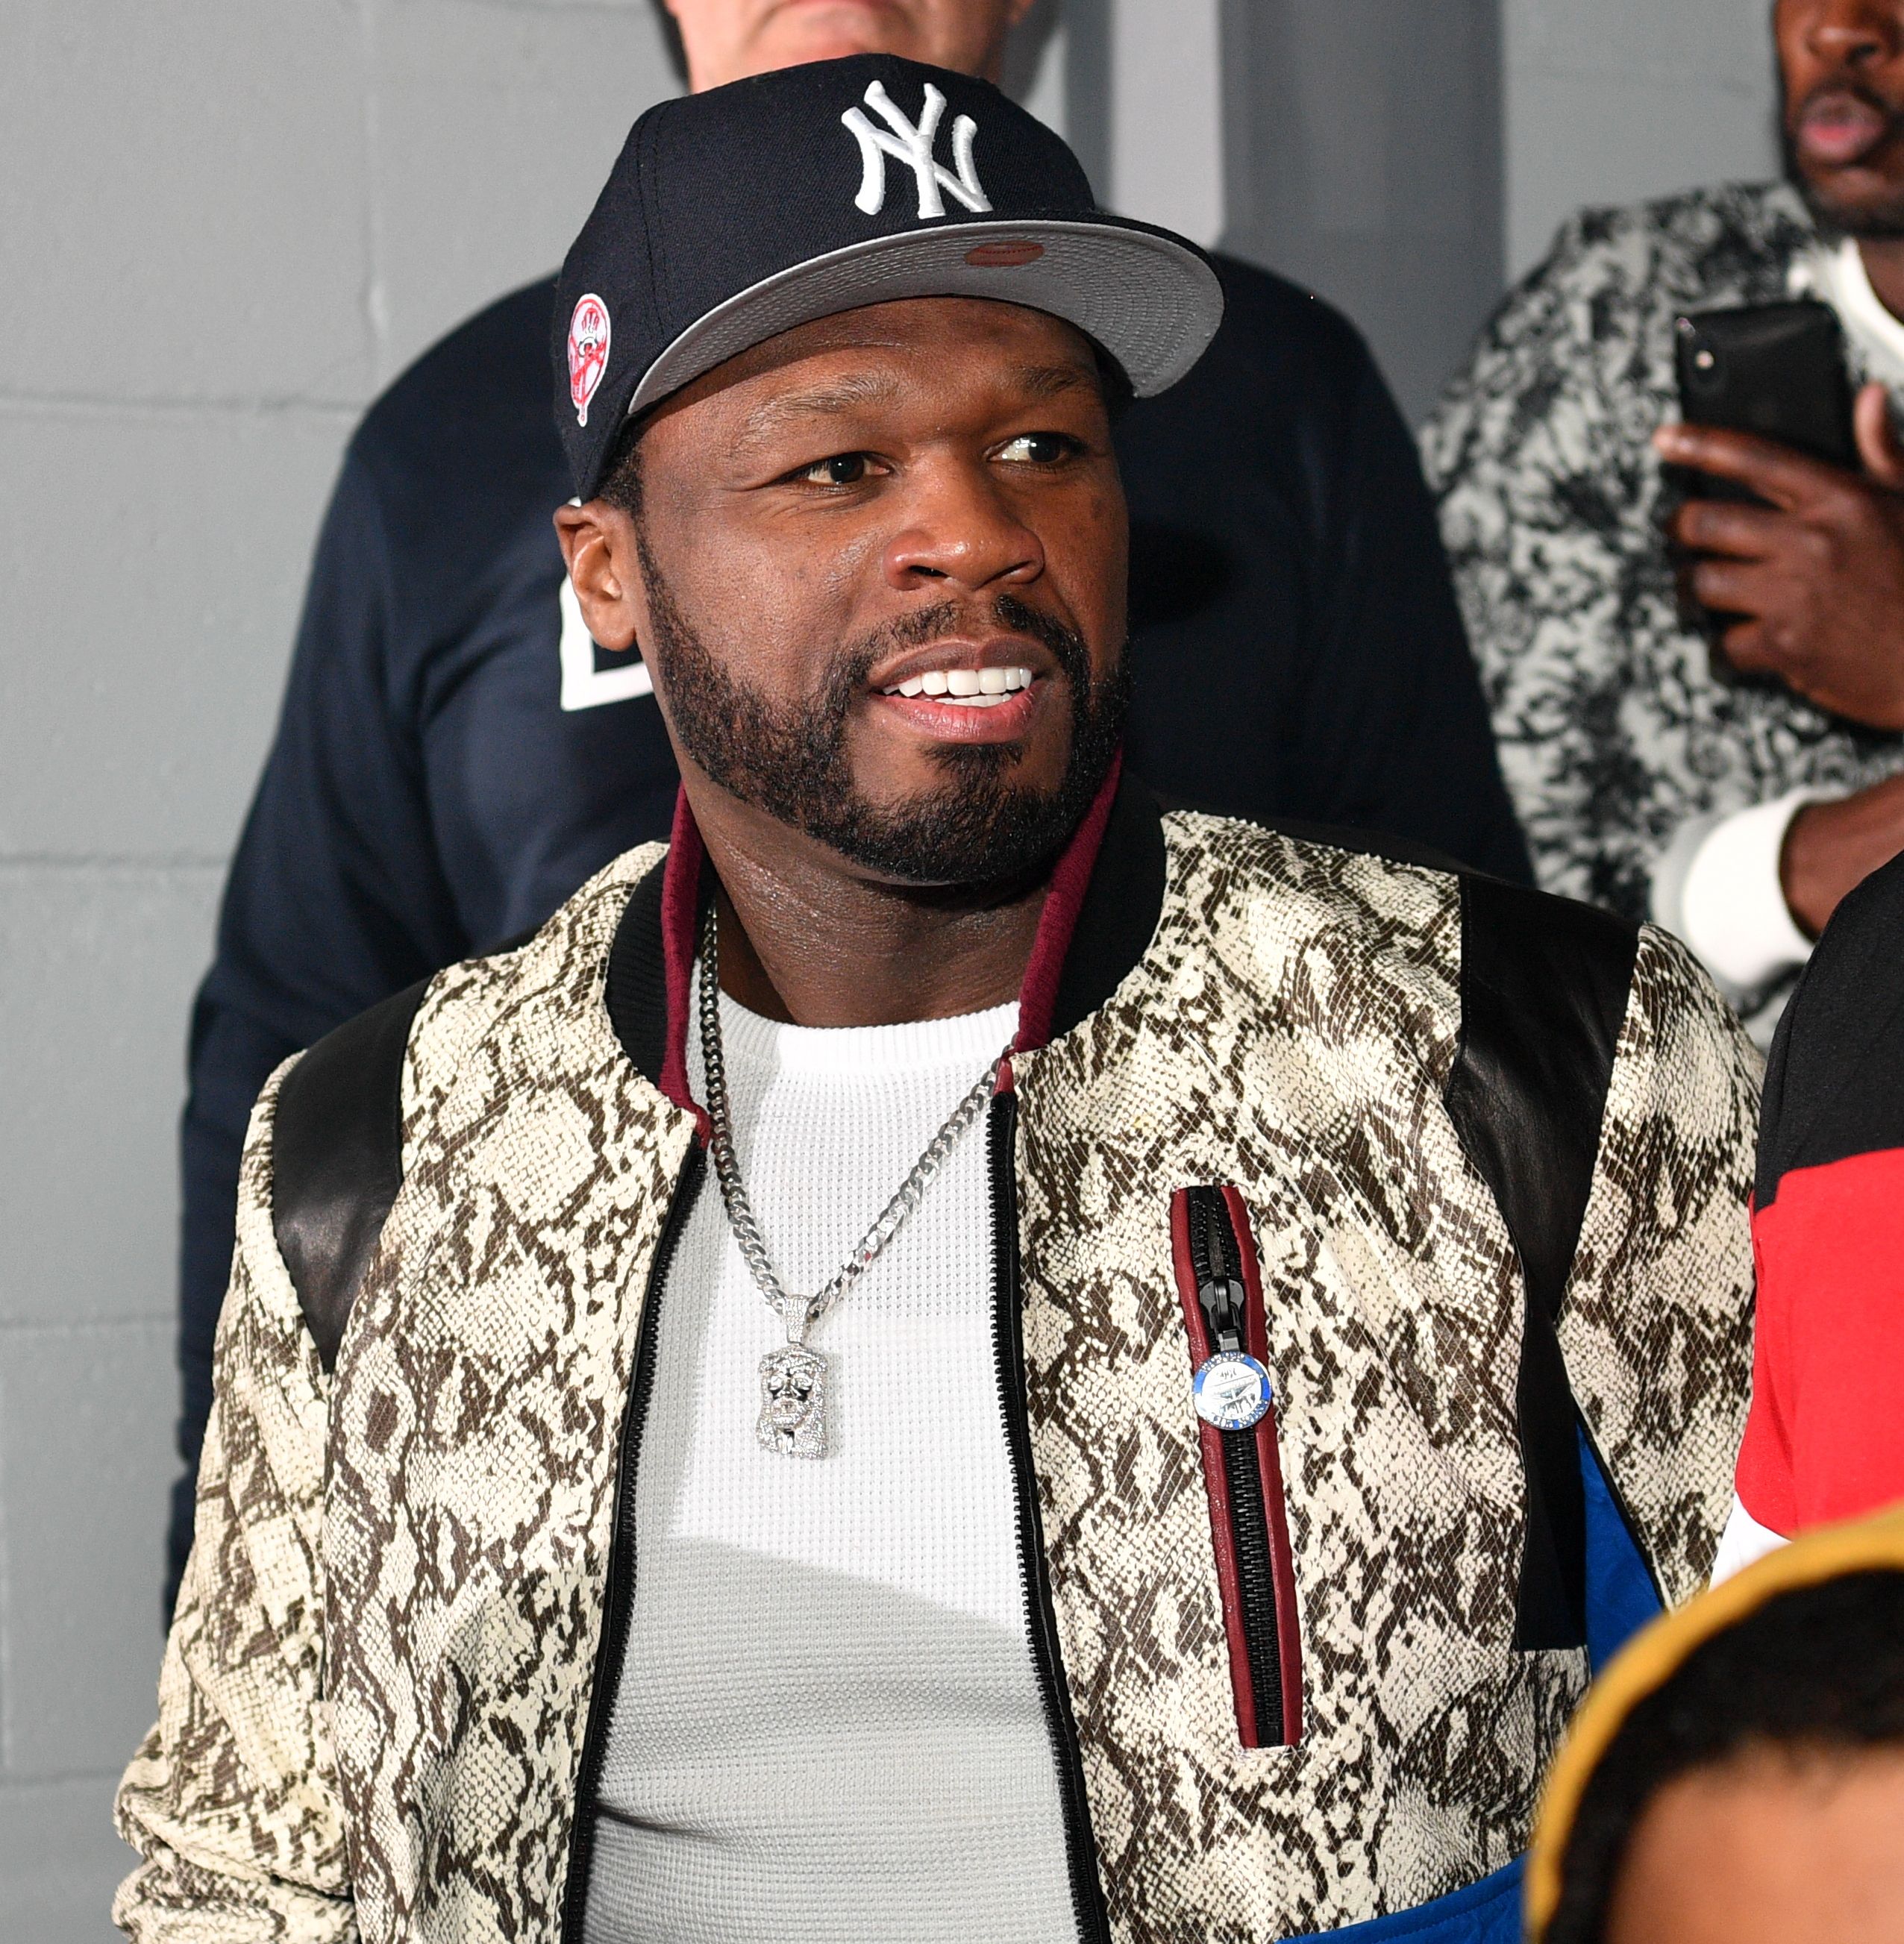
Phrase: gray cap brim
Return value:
(1150, 301)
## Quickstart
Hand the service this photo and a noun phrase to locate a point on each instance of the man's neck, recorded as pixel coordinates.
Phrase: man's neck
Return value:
(806, 941)
(1884, 264)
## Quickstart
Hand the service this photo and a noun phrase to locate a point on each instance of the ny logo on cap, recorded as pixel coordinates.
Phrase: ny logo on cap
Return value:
(912, 145)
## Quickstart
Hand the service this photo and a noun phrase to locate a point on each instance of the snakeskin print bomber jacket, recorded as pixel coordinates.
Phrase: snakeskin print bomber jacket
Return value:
(1294, 1672)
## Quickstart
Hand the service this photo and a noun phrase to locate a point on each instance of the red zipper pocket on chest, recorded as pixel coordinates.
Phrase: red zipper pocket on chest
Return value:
(1233, 1394)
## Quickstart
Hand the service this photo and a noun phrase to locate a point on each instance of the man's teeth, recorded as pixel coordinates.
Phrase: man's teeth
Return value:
(977, 688)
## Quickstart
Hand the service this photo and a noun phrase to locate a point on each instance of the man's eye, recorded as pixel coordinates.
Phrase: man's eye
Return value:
(844, 468)
(1037, 448)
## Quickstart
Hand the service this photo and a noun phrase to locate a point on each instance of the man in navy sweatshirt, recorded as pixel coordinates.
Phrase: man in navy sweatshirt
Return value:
(456, 756)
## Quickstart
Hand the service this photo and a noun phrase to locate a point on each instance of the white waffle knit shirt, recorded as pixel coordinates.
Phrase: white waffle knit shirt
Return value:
(828, 1729)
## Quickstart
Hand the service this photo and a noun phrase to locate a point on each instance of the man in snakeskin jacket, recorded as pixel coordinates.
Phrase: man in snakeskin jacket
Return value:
(1735, 792)
(1193, 1525)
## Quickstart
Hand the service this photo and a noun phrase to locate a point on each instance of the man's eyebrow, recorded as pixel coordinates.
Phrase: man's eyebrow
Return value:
(1048, 381)
(821, 402)
(854, 393)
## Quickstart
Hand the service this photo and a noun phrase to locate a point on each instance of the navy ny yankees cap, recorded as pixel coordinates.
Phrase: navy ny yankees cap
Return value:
(732, 216)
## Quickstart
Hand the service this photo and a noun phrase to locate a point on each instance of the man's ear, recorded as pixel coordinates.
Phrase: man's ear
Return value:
(604, 568)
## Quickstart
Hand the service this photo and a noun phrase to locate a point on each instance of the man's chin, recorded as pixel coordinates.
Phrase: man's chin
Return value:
(977, 828)
(1874, 219)
(1859, 202)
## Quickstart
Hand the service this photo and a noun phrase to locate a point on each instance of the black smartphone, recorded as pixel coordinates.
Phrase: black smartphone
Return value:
(1777, 370)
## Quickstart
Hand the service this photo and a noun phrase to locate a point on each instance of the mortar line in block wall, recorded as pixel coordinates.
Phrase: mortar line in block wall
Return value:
(375, 298)
(188, 863)
(74, 405)
(64, 1778)
(163, 1323)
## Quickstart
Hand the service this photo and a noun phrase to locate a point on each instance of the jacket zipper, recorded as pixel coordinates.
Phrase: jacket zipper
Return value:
(1041, 1627)
(1223, 1312)
(619, 1597)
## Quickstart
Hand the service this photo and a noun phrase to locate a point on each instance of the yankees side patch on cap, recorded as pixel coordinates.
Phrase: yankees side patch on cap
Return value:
(732, 216)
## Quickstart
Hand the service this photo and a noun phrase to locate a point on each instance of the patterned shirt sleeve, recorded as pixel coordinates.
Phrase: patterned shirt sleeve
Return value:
(1540, 477)
(231, 1800)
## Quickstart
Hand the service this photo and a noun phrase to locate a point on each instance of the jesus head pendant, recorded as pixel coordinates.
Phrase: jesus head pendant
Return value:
(792, 1402)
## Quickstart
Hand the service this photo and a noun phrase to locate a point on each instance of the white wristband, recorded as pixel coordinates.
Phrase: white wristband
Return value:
(1733, 911)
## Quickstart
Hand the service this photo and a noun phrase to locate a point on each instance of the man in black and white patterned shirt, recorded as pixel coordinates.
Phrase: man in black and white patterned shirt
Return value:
(1733, 795)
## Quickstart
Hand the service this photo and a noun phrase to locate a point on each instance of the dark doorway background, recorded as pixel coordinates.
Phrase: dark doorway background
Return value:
(1361, 158)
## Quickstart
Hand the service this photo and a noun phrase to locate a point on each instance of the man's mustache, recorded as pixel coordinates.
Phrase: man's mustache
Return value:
(1005, 613)
(1844, 88)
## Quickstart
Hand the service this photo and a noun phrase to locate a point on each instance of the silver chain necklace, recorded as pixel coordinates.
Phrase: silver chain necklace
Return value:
(793, 1380)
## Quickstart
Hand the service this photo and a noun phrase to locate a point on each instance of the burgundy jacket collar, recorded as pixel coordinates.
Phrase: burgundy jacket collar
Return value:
(1107, 890)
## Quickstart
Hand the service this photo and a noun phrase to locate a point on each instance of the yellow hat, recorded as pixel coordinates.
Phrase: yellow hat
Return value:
(1657, 1653)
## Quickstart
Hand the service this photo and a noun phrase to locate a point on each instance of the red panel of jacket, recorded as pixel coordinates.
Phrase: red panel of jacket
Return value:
(1826, 1437)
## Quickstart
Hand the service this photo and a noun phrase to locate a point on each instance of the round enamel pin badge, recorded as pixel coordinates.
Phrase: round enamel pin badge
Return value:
(588, 352)
(1231, 1390)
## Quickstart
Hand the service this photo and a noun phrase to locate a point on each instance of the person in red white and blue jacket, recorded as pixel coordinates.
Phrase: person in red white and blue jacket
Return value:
(1824, 1438)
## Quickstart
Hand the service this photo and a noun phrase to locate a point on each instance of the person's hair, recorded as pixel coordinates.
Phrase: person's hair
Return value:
(1116, 381)
(1817, 1670)
(621, 483)
(672, 41)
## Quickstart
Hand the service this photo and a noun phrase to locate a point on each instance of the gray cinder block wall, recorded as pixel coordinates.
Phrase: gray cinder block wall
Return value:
(223, 227)
(1615, 100)
(1402, 157)
(1364, 161)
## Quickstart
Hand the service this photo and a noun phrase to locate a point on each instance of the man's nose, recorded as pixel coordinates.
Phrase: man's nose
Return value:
(960, 526)
(1854, 33)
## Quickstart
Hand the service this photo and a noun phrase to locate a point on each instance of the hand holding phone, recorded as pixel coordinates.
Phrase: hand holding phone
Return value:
(1775, 371)
(1800, 568)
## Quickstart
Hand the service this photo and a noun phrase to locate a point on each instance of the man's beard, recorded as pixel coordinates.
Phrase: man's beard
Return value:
(981, 826)
(1879, 223)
